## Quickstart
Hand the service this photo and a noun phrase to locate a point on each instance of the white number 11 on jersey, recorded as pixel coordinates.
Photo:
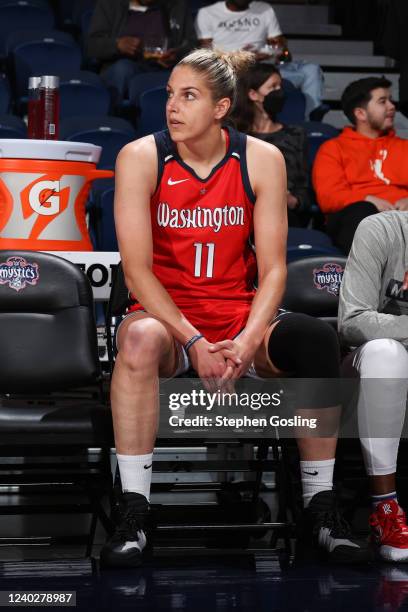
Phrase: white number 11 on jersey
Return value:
(199, 256)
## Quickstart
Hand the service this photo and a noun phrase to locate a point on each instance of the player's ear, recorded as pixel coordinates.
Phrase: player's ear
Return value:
(253, 95)
(221, 108)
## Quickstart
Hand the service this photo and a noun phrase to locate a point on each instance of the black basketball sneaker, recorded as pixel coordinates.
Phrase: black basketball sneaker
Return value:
(325, 531)
(126, 546)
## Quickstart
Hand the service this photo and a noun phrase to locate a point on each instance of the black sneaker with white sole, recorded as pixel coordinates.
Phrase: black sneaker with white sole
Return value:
(125, 547)
(326, 532)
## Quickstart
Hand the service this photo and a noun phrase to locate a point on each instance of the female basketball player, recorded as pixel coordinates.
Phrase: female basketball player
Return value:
(187, 202)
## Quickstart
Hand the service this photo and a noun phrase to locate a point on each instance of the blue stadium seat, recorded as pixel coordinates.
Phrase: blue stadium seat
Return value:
(12, 127)
(288, 86)
(43, 4)
(79, 8)
(306, 251)
(94, 211)
(85, 21)
(144, 81)
(304, 243)
(104, 227)
(23, 15)
(307, 293)
(18, 37)
(83, 94)
(111, 133)
(46, 56)
(5, 94)
(82, 17)
(70, 11)
(152, 111)
(298, 236)
(64, 12)
(317, 133)
(295, 104)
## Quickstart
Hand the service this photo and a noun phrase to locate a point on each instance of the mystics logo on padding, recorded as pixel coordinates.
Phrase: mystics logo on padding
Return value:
(329, 277)
(17, 273)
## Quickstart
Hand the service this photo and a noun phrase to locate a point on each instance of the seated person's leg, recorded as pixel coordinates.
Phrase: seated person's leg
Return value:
(117, 77)
(146, 350)
(342, 225)
(305, 347)
(382, 365)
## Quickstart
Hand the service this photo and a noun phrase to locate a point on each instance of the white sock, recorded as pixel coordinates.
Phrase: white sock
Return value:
(136, 473)
(316, 476)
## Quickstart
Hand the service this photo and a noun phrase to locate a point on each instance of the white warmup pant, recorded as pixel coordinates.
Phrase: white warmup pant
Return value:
(382, 366)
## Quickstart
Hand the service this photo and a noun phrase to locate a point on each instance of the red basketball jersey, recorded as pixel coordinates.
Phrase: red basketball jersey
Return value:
(201, 238)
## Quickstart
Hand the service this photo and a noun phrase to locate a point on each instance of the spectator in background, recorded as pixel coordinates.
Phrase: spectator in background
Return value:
(395, 41)
(260, 99)
(363, 171)
(243, 24)
(121, 29)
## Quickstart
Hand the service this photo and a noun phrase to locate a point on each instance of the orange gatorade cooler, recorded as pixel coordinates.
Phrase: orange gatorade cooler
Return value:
(44, 187)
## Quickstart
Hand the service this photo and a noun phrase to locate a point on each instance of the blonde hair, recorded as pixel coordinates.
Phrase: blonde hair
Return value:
(221, 69)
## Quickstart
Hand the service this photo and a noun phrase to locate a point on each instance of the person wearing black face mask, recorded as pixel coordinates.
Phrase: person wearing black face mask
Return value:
(260, 100)
(273, 103)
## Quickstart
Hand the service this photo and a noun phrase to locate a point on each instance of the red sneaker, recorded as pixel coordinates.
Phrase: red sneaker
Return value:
(389, 531)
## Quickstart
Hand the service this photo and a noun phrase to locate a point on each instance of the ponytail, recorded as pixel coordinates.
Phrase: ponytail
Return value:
(221, 69)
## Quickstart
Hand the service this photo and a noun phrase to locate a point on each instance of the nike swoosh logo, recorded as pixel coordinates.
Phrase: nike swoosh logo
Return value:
(147, 467)
(311, 473)
(171, 182)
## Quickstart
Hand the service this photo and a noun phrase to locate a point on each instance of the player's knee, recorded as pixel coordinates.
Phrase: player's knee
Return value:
(143, 343)
(304, 330)
(318, 346)
(383, 358)
(305, 346)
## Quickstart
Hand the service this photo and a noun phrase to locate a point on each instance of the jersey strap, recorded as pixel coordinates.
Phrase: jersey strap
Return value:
(242, 149)
(237, 148)
(165, 152)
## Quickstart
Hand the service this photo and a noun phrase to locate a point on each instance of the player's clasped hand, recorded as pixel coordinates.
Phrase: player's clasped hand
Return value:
(212, 366)
(238, 357)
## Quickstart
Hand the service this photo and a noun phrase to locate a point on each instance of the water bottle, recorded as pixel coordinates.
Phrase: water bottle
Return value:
(34, 127)
(50, 102)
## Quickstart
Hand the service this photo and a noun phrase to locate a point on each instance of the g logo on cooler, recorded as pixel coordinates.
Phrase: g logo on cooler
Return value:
(44, 198)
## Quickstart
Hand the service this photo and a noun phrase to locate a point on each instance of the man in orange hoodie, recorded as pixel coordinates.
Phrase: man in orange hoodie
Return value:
(364, 170)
